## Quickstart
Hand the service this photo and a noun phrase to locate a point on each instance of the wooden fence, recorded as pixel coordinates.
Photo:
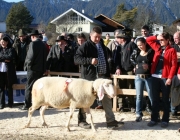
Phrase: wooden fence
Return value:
(68, 74)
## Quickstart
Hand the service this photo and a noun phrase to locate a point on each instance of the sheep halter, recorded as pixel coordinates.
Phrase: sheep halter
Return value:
(66, 84)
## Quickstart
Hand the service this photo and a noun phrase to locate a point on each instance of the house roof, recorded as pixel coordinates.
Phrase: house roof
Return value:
(109, 21)
(90, 19)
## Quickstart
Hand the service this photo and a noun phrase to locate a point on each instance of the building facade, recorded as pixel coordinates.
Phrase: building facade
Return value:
(73, 21)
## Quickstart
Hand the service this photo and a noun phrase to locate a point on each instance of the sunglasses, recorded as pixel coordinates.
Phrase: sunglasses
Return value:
(161, 40)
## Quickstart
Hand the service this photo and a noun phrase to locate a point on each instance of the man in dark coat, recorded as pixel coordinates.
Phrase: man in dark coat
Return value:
(60, 57)
(92, 56)
(21, 46)
(35, 64)
(124, 67)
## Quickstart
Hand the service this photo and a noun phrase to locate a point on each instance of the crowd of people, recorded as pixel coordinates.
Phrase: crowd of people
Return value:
(151, 58)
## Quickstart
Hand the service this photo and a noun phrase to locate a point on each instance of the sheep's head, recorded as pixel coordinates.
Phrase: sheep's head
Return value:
(103, 86)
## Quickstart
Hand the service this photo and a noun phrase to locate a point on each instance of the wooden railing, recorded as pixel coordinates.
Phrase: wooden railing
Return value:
(68, 74)
(119, 91)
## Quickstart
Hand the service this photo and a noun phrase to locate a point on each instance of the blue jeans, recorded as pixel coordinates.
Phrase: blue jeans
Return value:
(157, 87)
(139, 85)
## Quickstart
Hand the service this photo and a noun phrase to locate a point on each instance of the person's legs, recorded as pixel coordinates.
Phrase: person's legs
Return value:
(10, 96)
(110, 118)
(82, 119)
(81, 115)
(30, 81)
(148, 84)
(2, 98)
(2, 87)
(174, 110)
(139, 85)
(32, 76)
(156, 86)
(130, 85)
(121, 100)
(107, 104)
(165, 100)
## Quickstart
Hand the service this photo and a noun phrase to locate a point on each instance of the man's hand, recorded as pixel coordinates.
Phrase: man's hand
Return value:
(118, 72)
(7, 61)
(168, 82)
(134, 70)
(47, 72)
(94, 61)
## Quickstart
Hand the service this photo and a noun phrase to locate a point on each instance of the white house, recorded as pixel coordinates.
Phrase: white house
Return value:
(2, 27)
(73, 21)
(157, 29)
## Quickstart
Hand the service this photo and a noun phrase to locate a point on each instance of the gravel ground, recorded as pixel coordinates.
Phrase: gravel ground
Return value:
(12, 121)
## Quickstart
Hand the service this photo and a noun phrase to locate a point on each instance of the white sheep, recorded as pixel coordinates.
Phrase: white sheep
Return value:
(59, 92)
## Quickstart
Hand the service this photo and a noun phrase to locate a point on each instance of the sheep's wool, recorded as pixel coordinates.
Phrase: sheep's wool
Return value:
(40, 85)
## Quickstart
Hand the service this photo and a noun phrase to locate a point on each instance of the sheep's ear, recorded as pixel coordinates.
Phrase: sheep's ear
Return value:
(101, 92)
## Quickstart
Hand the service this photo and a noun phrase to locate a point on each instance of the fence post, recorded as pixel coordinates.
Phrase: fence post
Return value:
(115, 98)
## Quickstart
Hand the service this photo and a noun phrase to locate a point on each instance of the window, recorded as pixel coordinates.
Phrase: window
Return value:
(64, 30)
(79, 29)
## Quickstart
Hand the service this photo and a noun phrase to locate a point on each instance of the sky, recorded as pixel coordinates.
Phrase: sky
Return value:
(13, 0)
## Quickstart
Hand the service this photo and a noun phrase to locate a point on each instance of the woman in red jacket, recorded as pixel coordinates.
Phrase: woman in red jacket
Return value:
(163, 69)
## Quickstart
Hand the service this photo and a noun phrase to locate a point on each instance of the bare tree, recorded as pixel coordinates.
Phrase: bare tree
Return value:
(41, 26)
(145, 16)
(170, 29)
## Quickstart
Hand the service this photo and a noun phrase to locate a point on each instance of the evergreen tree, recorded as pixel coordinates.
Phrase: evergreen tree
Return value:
(18, 18)
(125, 16)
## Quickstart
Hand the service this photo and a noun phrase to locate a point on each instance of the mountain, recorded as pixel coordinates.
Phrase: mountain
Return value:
(45, 10)
(4, 9)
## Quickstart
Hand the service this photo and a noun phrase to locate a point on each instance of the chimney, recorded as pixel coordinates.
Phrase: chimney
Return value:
(83, 11)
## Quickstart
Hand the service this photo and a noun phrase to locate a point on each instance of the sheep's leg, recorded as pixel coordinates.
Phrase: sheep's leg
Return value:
(42, 109)
(89, 115)
(30, 112)
(70, 116)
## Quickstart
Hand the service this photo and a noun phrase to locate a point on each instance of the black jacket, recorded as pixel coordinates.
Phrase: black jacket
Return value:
(122, 59)
(136, 52)
(83, 57)
(60, 62)
(9, 54)
(17, 46)
(36, 57)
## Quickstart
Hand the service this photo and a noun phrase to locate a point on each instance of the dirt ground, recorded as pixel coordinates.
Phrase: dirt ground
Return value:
(12, 121)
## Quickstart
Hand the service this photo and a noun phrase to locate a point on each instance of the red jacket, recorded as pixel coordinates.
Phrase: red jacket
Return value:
(170, 58)
(178, 70)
